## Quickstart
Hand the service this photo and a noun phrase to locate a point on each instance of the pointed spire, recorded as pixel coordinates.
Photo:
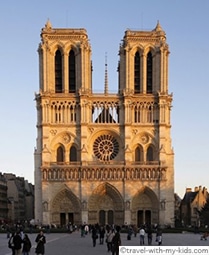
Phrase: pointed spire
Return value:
(158, 27)
(48, 25)
(106, 76)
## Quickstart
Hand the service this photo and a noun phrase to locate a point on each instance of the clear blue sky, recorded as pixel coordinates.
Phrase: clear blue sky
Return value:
(186, 25)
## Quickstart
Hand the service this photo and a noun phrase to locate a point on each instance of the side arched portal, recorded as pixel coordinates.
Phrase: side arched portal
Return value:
(145, 207)
(106, 206)
(65, 208)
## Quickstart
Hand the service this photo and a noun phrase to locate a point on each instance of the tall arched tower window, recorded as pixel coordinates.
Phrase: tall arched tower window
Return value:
(58, 72)
(137, 73)
(73, 154)
(72, 74)
(60, 154)
(149, 72)
(150, 154)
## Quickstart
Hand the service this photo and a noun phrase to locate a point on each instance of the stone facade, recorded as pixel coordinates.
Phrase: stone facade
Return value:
(102, 157)
(19, 198)
(3, 199)
(191, 204)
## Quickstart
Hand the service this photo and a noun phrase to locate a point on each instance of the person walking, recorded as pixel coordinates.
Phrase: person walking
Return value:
(101, 234)
(40, 240)
(130, 232)
(109, 236)
(149, 235)
(26, 245)
(116, 242)
(17, 240)
(8, 231)
(141, 235)
(11, 243)
(86, 229)
(94, 235)
(159, 236)
(135, 230)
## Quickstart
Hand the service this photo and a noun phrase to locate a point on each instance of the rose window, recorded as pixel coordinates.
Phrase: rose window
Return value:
(106, 147)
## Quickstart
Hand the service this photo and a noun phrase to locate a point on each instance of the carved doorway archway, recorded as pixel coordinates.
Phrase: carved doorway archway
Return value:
(145, 207)
(106, 206)
(65, 208)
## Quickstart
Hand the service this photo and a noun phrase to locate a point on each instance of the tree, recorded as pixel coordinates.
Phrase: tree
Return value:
(204, 214)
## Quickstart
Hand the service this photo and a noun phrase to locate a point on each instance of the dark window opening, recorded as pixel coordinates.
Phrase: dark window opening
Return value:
(72, 73)
(102, 217)
(148, 217)
(137, 73)
(110, 217)
(60, 154)
(149, 72)
(73, 154)
(140, 218)
(137, 154)
(58, 72)
(150, 154)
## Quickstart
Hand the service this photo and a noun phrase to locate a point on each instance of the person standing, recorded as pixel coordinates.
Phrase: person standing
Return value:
(40, 240)
(26, 245)
(82, 231)
(116, 242)
(17, 240)
(86, 229)
(8, 230)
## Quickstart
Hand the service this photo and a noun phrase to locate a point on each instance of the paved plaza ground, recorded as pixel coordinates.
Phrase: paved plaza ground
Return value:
(74, 244)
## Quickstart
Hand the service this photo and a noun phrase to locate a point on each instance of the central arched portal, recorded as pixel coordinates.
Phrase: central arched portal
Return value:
(106, 206)
(145, 208)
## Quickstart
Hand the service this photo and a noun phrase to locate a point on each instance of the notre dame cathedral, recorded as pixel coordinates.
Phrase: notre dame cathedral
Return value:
(102, 157)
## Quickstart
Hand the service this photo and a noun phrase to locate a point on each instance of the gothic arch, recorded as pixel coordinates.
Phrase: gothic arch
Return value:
(149, 48)
(139, 48)
(73, 153)
(151, 152)
(145, 200)
(138, 153)
(72, 46)
(144, 196)
(60, 153)
(58, 46)
(59, 145)
(106, 197)
(143, 139)
(65, 202)
(64, 138)
(102, 131)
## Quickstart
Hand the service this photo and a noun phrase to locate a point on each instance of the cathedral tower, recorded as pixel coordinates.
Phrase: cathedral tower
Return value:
(101, 157)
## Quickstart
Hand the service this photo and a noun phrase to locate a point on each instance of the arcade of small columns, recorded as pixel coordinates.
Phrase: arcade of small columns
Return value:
(104, 174)
(65, 111)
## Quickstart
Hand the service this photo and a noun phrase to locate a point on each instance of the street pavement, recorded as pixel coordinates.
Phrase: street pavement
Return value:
(74, 244)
